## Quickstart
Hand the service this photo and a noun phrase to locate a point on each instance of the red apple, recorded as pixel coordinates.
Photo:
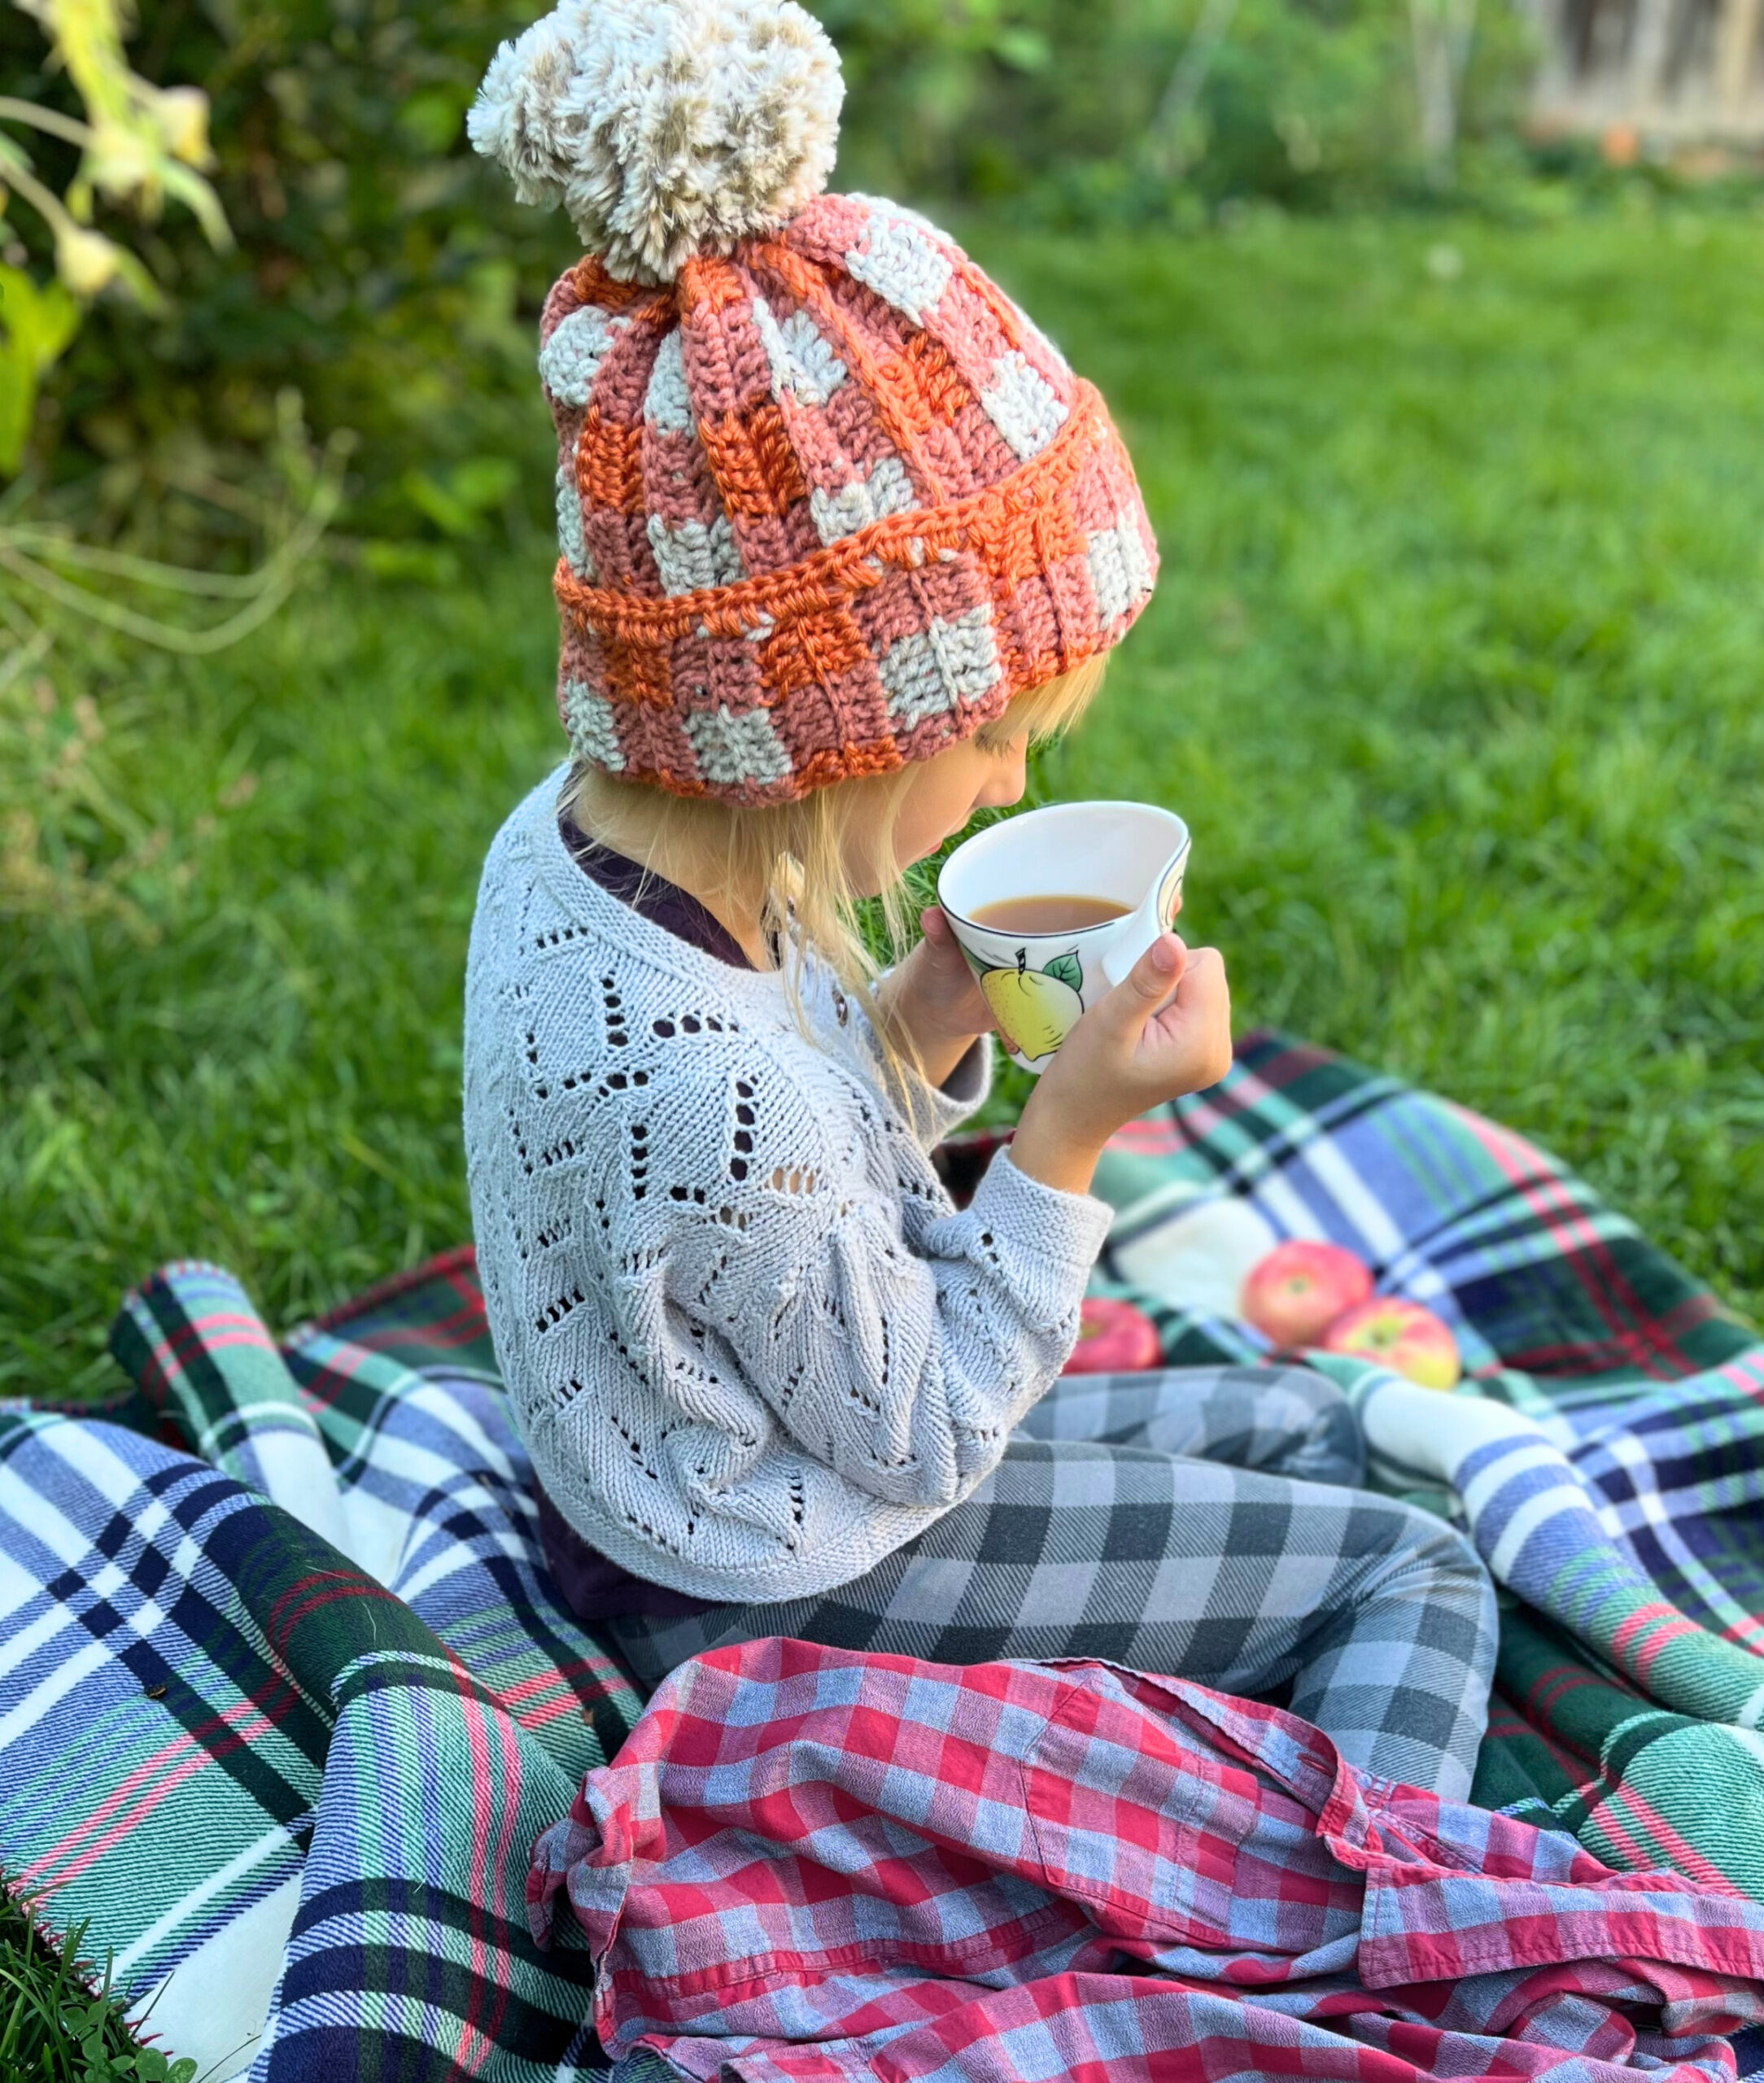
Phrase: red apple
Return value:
(1402, 1335)
(1293, 1295)
(1114, 1337)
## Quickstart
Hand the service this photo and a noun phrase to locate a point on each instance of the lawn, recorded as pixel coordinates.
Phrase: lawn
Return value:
(1454, 670)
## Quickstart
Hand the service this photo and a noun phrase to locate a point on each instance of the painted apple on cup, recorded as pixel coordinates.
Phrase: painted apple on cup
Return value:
(1053, 907)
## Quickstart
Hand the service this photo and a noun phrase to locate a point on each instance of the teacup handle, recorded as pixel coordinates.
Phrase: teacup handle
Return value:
(1144, 926)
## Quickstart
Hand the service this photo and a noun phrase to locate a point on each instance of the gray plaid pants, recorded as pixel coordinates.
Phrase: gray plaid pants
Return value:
(1191, 1521)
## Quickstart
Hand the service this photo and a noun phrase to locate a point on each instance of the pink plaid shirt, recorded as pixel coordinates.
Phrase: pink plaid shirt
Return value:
(812, 1865)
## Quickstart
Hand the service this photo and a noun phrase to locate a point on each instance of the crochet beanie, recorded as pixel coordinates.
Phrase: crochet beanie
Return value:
(827, 500)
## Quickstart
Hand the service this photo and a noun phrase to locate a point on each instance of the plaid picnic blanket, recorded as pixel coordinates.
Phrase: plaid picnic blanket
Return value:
(282, 1712)
(1607, 1453)
(284, 1694)
(810, 1865)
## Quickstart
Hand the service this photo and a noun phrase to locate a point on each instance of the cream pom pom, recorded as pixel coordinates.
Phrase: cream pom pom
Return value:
(665, 127)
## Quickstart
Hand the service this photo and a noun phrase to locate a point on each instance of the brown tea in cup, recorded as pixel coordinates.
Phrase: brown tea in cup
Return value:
(1048, 914)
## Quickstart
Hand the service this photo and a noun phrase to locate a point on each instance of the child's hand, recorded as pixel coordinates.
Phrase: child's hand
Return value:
(931, 1001)
(1165, 1031)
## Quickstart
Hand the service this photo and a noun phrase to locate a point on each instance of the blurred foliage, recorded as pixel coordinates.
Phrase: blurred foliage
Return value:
(1053, 106)
(376, 270)
(75, 843)
(134, 144)
(137, 144)
(387, 275)
(36, 321)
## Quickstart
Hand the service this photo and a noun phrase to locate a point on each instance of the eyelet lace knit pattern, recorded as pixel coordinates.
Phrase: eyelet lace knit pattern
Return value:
(751, 1345)
(824, 505)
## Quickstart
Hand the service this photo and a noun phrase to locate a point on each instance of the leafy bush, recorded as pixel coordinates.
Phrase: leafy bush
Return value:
(36, 321)
(377, 266)
(136, 145)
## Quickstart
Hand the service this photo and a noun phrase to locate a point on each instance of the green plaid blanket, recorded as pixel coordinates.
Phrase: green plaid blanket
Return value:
(284, 1694)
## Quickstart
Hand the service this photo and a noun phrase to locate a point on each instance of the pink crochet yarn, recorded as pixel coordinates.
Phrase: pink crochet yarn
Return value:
(823, 506)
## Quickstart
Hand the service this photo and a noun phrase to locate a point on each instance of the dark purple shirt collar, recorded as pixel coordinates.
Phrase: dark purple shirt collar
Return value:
(663, 903)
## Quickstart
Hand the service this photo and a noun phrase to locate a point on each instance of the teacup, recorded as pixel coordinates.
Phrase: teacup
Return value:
(1037, 983)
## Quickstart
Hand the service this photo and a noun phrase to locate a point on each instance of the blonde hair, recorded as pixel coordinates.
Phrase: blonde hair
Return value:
(787, 864)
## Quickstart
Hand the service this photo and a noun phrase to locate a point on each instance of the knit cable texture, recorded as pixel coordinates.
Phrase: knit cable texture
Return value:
(751, 1344)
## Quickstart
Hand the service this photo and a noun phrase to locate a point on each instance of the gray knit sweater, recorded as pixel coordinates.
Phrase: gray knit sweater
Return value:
(751, 1345)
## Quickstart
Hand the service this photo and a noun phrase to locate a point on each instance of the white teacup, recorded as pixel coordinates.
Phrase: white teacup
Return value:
(1038, 983)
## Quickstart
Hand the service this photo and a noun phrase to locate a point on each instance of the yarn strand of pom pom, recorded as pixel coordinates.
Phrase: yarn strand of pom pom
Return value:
(665, 127)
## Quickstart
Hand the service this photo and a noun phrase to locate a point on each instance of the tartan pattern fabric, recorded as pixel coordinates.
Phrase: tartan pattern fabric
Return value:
(1536, 1274)
(296, 1775)
(812, 1865)
(824, 506)
(1675, 1713)
(1154, 1520)
(1621, 1505)
(419, 1478)
(1628, 1367)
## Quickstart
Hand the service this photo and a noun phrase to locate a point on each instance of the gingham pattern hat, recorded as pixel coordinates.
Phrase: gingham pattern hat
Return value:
(826, 498)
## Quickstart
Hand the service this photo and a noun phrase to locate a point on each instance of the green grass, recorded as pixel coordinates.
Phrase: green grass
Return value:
(57, 2022)
(1455, 670)
(1457, 665)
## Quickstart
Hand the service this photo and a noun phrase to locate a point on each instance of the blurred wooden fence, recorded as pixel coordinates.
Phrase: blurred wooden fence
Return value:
(1665, 72)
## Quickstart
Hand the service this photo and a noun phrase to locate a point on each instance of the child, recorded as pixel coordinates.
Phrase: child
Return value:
(841, 533)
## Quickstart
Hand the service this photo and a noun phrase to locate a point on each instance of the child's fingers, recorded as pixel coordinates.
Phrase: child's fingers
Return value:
(934, 923)
(1148, 986)
(1204, 986)
(940, 938)
(1203, 1004)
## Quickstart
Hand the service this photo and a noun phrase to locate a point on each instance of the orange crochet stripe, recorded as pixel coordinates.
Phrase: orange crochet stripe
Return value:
(998, 523)
(928, 383)
(752, 463)
(591, 283)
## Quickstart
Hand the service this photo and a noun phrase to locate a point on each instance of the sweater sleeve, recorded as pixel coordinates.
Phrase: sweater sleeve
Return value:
(938, 1111)
(902, 1365)
(932, 1111)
